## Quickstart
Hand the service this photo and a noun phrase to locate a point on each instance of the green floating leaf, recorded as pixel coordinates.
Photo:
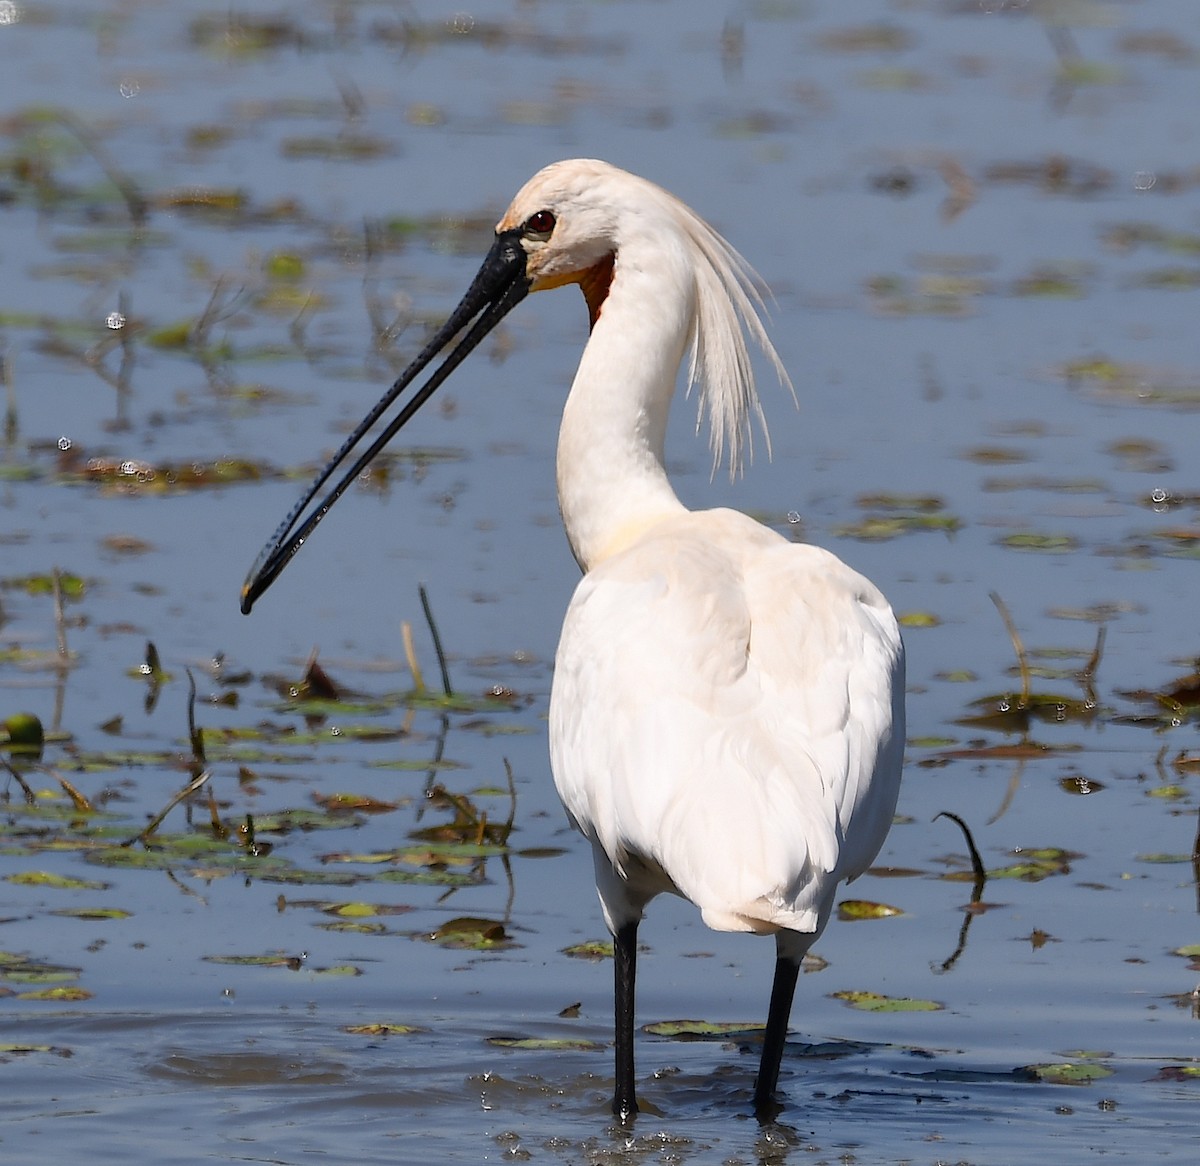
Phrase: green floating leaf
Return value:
(96, 913)
(1178, 1073)
(874, 1002)
(294, 877)
(855, 909)
(287, 820)
(272, 960)
(918, 619)
(42, 878)
(690, 1030)
(22, 734)
(359, 910)
(356, 927)
(72, 586)
(56, 994)
(877, 527)
(1188, 951)
(20, 969)
(1051, 544)
(1069, 1073)
(472, 934)
(593, 949)
(1030, 872)
(546, 1044)
(429, 878)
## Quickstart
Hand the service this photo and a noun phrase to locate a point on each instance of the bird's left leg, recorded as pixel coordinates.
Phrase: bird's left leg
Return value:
(787, 969)
(624, 975)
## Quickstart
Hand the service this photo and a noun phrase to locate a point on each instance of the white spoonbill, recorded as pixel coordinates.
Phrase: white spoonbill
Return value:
(727, 710)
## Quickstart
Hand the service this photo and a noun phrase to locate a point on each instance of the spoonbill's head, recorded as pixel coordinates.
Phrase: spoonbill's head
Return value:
(570, 223)
(567, 220)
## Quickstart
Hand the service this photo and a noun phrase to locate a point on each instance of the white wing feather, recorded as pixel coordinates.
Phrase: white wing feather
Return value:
(743, 695)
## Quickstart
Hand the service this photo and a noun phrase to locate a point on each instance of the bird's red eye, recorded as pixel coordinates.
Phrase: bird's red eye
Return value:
(540, 223)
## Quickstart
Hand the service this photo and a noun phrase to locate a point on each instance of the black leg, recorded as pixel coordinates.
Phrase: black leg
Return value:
(784, 987)
(624, 973)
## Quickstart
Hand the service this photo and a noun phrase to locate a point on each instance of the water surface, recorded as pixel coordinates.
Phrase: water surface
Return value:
(979, 225)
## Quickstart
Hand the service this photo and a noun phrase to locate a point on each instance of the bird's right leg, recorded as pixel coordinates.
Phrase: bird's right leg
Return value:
(624, 973)
(787, 971)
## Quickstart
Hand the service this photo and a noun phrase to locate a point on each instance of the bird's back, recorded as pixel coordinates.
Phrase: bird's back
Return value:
(726, 722)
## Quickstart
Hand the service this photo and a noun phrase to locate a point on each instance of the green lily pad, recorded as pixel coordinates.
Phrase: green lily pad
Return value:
(361, 910)
(593, 949)
(72, 586)
(355, 927)
(94, 913)
(472, 934)
(1070, 1072)
(42, 878)
(874, 1002)
(855, 909)
(272, 960)
(22, 734)
(58, 995)
(690, 1030)
(546, 1044)
(430, 878)
(1052, 544)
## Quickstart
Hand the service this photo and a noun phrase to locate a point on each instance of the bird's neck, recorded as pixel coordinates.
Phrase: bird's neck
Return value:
(612, 484)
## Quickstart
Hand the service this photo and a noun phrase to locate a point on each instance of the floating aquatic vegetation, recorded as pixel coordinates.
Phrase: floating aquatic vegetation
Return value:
(541, 1044)
(471, 933)
(858, 909)
(874, 1002)
(693, 1030)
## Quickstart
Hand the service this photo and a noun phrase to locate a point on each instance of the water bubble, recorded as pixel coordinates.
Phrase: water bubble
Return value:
(793, 516)
(130, 88)
(115, 321)
(1159, 496)
(64, 444)
(10, 13)
(1144, 180)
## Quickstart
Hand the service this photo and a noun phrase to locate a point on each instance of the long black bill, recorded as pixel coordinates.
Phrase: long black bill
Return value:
(500, 285)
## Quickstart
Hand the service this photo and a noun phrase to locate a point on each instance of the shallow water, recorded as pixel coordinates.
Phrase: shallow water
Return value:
(979, 224)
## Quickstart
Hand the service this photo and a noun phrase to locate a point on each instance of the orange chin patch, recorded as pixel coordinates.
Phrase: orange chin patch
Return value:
(594, 282)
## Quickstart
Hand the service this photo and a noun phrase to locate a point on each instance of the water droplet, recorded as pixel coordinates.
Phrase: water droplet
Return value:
(130, 88)
(1144, 180)
(64, 443)
(793, 516)
(115, 321)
